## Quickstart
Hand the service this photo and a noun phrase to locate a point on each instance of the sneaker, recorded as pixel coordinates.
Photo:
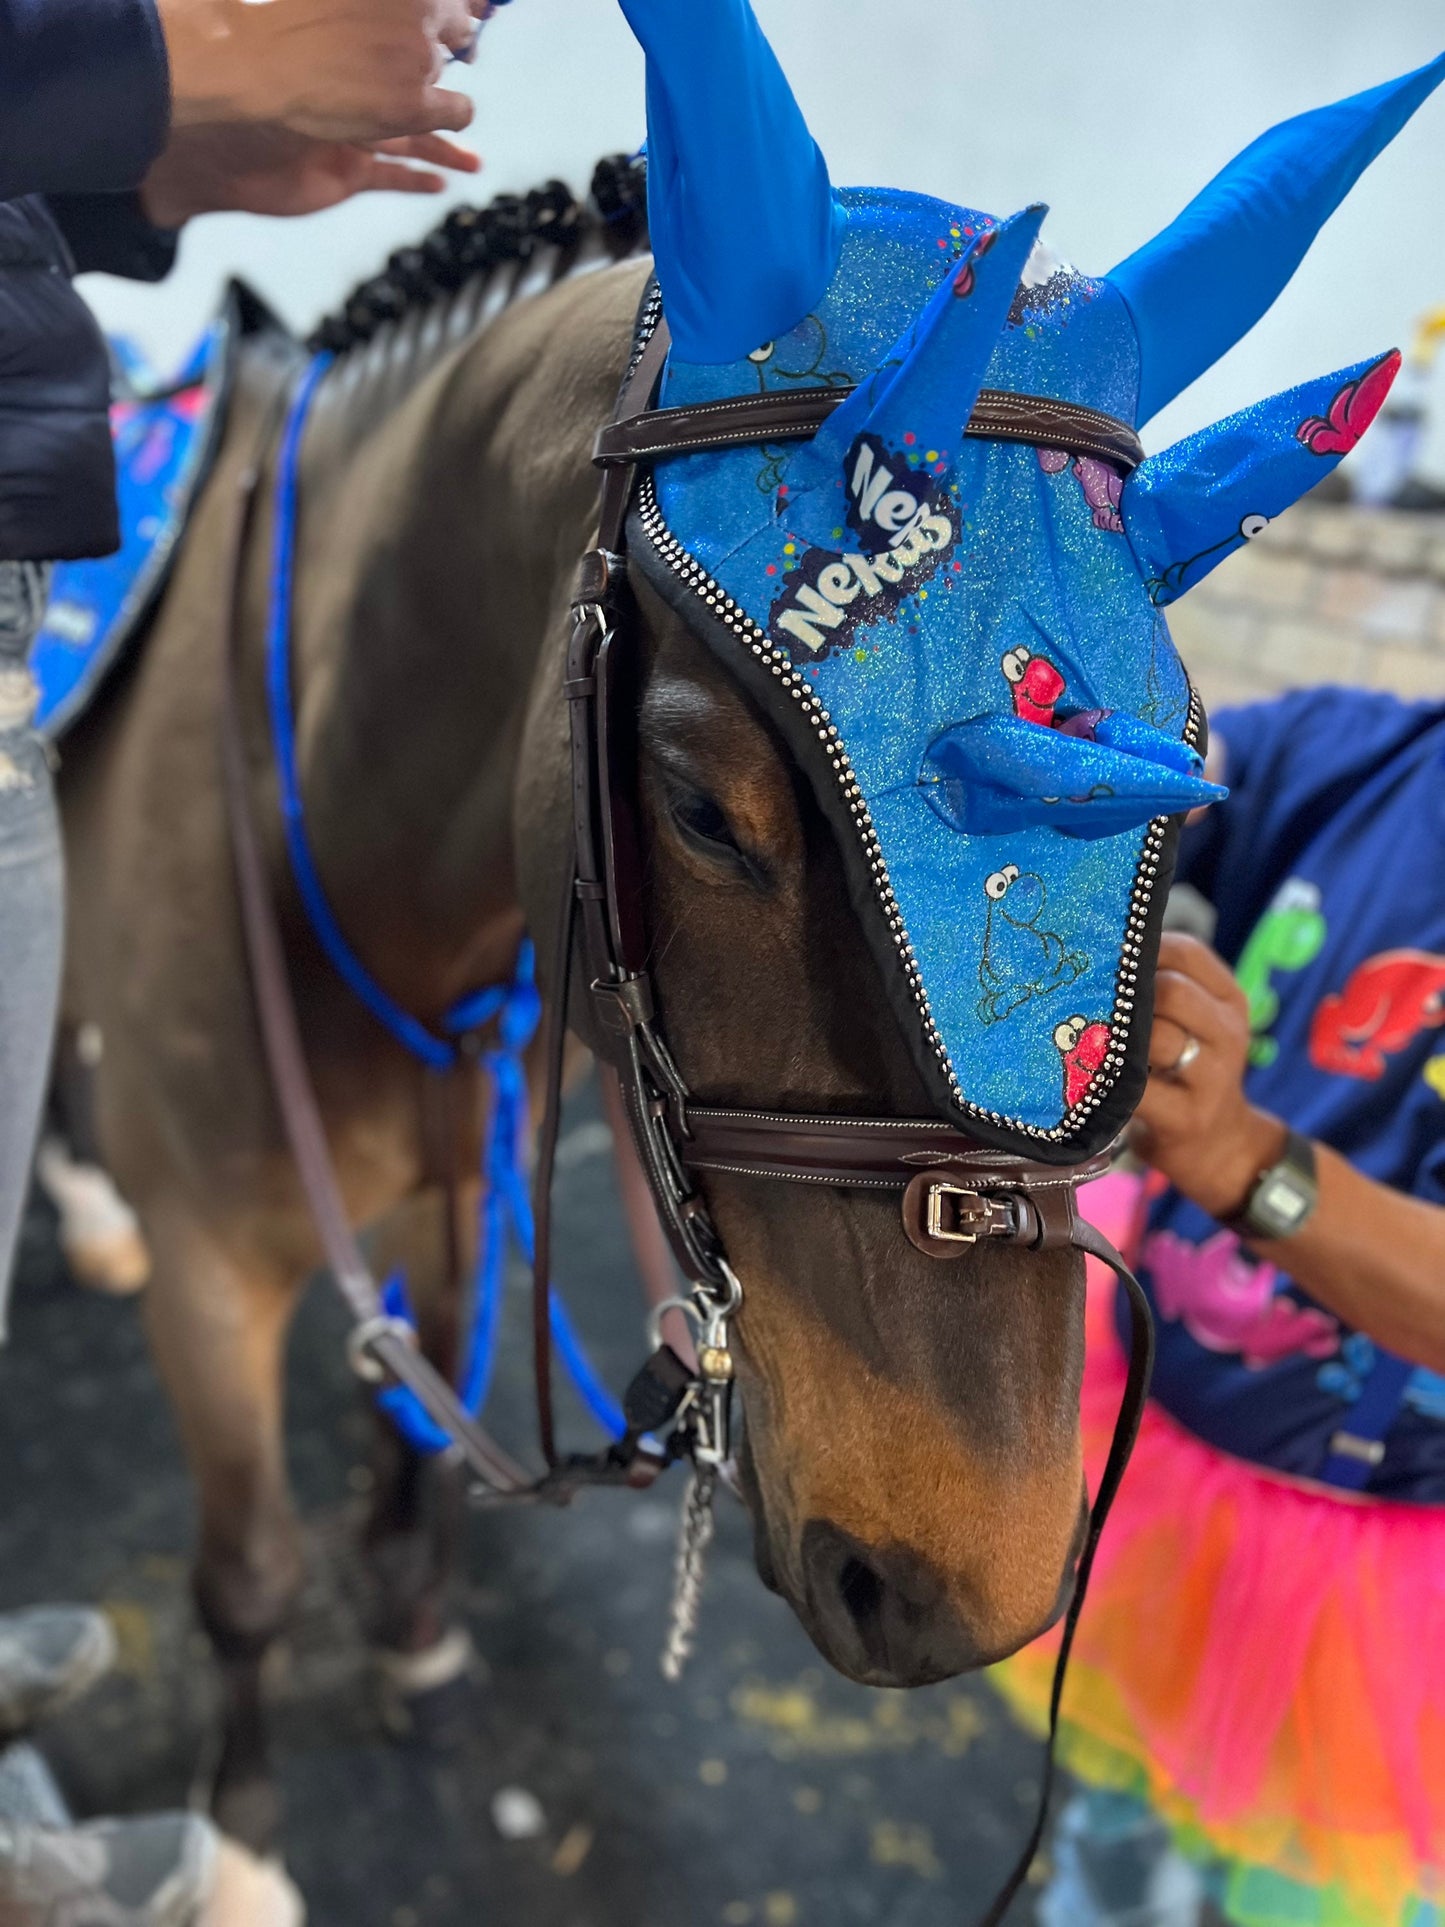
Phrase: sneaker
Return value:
(49, 1656)
(157, 1871)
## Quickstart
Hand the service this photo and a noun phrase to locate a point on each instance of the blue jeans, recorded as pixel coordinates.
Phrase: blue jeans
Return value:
(1115, 1866)
(31, 904)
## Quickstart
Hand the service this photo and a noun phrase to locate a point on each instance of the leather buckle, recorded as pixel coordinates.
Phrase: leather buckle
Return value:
(956, 1225)
(943, 1218)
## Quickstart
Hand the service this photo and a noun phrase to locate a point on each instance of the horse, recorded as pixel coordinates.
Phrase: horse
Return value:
(914, 1451)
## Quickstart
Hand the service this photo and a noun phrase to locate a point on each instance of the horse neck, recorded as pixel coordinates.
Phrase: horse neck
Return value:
(432, 580)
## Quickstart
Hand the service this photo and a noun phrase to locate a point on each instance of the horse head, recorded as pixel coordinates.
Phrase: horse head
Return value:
(913, 743)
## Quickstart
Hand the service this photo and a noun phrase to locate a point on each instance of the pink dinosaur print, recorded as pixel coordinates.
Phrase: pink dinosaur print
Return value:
(1102, 487)
(1384, 1007)
(1083, 1047)
(1352, 410)
(1228, 1304)
(1037, 685)
(965, 280)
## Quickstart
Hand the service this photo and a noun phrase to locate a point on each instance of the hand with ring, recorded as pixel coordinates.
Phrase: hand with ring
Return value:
(1195, 1124)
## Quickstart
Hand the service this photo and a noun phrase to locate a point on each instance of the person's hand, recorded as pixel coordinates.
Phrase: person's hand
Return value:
(1195, 1123)
(266, 170)
(336, 70)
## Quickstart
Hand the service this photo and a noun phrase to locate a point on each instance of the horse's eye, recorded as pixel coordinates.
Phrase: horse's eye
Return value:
(701, 821)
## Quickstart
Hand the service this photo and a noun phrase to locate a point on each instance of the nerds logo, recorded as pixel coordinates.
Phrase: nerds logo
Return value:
(883, 512)
(903, 534)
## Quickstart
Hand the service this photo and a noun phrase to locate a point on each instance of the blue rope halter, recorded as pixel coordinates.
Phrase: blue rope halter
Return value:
(516, 1009)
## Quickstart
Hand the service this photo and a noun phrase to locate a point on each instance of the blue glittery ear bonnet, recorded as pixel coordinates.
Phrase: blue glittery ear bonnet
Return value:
(960, 637)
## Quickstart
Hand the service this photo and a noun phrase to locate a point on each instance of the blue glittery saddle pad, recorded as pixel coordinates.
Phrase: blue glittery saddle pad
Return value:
(164, 440)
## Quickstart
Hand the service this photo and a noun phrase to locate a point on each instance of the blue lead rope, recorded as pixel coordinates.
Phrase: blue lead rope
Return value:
(506, 1206)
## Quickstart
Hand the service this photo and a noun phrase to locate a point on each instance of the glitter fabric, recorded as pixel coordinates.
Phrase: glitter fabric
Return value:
(961, 638)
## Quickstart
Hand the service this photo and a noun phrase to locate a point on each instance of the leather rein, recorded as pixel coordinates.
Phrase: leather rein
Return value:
(953, 1192)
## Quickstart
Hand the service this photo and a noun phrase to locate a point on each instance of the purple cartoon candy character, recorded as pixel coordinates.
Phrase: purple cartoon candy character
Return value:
(1101, 485)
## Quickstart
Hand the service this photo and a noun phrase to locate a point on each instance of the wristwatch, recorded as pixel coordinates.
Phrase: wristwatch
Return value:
(1284, 1197)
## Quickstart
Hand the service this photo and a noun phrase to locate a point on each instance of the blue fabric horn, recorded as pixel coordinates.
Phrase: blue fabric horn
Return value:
(1195, 503)
(745, 229)
(1201, 285)
(841, 493)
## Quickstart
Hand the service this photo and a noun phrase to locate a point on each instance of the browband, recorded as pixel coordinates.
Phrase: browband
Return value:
(998, 416)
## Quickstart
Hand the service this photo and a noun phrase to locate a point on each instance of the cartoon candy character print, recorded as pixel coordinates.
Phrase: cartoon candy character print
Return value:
(1021, 959)
(1083, 1047)
(1289, 936)
(1356, 405)
(1036, 682)
(1103, 486)
(1228, 1303)
(1389, 1000)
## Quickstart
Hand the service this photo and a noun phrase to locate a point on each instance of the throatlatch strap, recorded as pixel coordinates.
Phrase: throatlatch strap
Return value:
(1126, 1431)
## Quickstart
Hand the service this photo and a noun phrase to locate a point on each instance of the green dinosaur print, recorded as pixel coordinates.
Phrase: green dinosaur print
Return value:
(1289, 935)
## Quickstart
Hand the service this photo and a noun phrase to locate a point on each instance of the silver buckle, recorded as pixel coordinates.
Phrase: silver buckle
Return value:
(1345, 1445)
(972, 1210)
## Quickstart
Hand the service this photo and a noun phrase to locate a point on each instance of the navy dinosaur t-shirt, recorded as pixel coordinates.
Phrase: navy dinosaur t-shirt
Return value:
(1327, 868)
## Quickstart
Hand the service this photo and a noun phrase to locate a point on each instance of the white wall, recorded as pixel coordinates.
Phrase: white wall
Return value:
(1114, 111)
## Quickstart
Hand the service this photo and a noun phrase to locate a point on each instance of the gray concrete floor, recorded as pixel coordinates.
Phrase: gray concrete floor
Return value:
(763, 1792)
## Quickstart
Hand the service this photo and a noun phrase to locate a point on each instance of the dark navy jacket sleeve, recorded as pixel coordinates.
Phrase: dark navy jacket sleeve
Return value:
(109, 234)
(84, 95)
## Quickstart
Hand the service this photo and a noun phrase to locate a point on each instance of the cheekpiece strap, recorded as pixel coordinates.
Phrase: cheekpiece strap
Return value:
(998, 416)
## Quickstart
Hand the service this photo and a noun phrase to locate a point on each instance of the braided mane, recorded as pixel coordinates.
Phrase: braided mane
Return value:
(473, 241)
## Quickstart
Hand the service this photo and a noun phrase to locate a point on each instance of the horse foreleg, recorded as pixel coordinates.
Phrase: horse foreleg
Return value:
(218, 1329)
(414, 1527)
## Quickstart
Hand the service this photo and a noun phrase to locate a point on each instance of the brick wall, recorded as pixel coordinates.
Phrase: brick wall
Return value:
(1329, 594)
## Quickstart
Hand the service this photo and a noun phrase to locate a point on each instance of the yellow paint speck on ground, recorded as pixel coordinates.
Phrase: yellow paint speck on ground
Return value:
(780, 1910)
(738, 1913)
(799, 1721)
(134, 1637)
(966, 1724)
(807, 1799)
(713, 1772)
(572, 1849)
(897, 1843)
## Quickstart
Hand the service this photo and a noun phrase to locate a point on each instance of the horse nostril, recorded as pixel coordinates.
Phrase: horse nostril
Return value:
(880, 1613)
(861, 1589)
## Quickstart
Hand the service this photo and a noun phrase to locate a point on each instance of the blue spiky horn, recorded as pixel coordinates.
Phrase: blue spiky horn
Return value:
(922, 393)
(1191, 506)
(1200, 285)
(745, 229)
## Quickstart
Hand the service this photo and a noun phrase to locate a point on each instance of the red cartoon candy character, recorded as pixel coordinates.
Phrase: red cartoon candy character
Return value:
(1083, 1047)
(1384, 1007)
(1352, 410)
(1037, 685)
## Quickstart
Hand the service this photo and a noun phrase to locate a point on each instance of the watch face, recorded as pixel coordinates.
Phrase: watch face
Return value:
(1281, 1204)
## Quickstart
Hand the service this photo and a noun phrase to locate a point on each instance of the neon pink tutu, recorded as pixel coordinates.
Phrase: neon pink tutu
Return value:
(1263, 1660)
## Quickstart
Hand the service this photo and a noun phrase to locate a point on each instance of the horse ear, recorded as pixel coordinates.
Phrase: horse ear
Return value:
(1192, 505)
(745, 228)
(921, 395)
(1201, 285)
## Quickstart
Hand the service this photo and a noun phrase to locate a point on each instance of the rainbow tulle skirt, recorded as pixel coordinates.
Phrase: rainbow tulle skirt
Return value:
(1264, 1662)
